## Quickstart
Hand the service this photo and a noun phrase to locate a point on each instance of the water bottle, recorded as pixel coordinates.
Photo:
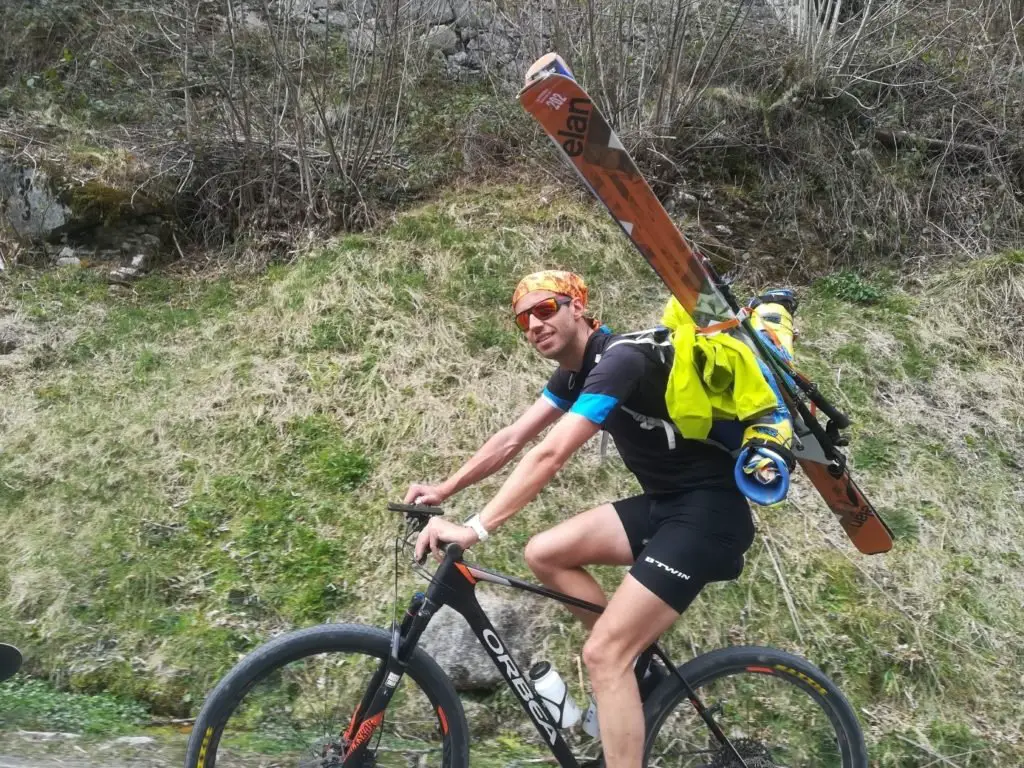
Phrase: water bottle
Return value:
(553, 692)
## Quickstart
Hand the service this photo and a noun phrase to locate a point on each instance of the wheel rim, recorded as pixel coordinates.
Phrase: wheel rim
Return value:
(775, 719)
(297, 715)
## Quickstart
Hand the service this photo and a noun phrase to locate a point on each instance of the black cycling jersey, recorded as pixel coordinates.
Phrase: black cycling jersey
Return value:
(621, 388)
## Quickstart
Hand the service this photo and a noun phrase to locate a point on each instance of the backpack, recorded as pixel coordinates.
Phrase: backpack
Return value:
(721, 393)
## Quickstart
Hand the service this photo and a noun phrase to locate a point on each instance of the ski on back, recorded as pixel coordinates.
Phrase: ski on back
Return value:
(569, 117)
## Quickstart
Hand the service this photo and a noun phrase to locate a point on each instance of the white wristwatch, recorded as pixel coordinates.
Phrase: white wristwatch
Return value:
(478, 528)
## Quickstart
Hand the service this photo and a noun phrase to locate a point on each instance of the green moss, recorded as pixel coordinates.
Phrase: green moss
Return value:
(35, 705)
(97, 204)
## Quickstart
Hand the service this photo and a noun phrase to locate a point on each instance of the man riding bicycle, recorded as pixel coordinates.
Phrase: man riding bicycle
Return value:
(690, 526)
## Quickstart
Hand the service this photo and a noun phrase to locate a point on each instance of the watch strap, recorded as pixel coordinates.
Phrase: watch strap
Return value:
(478, 527)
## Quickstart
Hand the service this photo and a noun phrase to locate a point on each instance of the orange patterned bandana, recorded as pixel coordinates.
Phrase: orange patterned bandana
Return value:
(565, 283)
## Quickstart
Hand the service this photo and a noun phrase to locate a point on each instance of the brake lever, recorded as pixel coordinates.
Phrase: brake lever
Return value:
(413, 526)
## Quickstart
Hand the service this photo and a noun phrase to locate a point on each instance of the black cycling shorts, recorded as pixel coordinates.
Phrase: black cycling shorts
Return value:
(685, 540)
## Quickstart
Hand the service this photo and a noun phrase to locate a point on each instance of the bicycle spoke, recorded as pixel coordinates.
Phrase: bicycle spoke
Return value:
(296, 717)
(771, 722)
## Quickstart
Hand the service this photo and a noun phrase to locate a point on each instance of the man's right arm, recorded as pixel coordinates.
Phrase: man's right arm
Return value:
(499, 449)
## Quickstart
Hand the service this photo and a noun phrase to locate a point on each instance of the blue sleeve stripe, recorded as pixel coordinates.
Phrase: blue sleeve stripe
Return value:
(555, 400)
(594, 408)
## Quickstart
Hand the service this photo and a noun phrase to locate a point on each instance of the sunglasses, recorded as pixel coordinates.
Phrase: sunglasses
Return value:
(542, 310)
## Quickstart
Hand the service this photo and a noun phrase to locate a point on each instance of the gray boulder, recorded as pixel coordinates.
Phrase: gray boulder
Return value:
(9, 341)
(494, 48)
(29, 202)
(428, 12)
(253, 21)
(124, 274)
(473, 14)
(337, 19)
(442, 39)
(519, 622)
(42, 207)
(361, 39)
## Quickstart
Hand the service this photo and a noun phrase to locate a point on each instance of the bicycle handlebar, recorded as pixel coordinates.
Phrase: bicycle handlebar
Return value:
(420, 513)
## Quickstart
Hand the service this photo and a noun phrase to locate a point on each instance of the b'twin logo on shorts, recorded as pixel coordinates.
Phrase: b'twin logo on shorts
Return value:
(668, 568)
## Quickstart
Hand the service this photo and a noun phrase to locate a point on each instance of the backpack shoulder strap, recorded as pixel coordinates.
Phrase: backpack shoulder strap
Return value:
(655, 342)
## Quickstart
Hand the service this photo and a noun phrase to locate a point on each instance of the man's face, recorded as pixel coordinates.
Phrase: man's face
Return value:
(550, 335)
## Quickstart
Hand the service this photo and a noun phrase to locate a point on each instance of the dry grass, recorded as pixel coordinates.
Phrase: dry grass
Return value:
(988, 293)
(194, 466)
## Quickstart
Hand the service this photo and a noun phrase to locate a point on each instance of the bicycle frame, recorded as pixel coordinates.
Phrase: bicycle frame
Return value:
(454, 585)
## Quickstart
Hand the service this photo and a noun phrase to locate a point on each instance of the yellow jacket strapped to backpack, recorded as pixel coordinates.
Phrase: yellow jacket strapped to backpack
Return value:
(713, 378)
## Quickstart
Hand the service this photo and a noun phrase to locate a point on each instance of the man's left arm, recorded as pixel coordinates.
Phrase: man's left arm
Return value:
(537, 467)
(609, 383)
(532, 473)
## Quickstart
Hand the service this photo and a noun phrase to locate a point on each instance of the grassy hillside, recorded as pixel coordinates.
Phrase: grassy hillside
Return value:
(194, 463)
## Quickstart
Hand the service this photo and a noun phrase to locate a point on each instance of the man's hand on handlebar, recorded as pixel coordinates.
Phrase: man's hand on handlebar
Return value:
(431, 495)
(440, 532)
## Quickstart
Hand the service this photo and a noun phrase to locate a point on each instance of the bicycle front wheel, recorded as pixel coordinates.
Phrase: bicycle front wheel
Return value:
(777, 709)
(291, 702)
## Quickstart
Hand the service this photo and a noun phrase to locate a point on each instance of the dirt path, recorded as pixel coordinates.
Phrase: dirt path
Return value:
(23, 749)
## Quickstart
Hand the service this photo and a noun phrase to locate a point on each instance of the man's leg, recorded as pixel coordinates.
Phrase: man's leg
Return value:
(594, 537)
(634, 619)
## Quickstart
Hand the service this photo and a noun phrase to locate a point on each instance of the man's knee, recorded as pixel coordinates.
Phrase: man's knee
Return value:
(605, 656)
(541, 555)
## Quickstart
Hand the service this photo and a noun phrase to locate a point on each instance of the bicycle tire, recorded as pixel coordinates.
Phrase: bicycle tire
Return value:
(723, 663)
(325, 639)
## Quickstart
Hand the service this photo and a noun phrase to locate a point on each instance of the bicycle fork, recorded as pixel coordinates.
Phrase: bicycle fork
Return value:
(369, 714)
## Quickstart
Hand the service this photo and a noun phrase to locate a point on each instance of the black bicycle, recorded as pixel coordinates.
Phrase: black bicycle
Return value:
(352, 695)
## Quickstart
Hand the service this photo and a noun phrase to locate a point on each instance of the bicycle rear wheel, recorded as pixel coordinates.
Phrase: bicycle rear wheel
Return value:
(779, 710)
(290, 701)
